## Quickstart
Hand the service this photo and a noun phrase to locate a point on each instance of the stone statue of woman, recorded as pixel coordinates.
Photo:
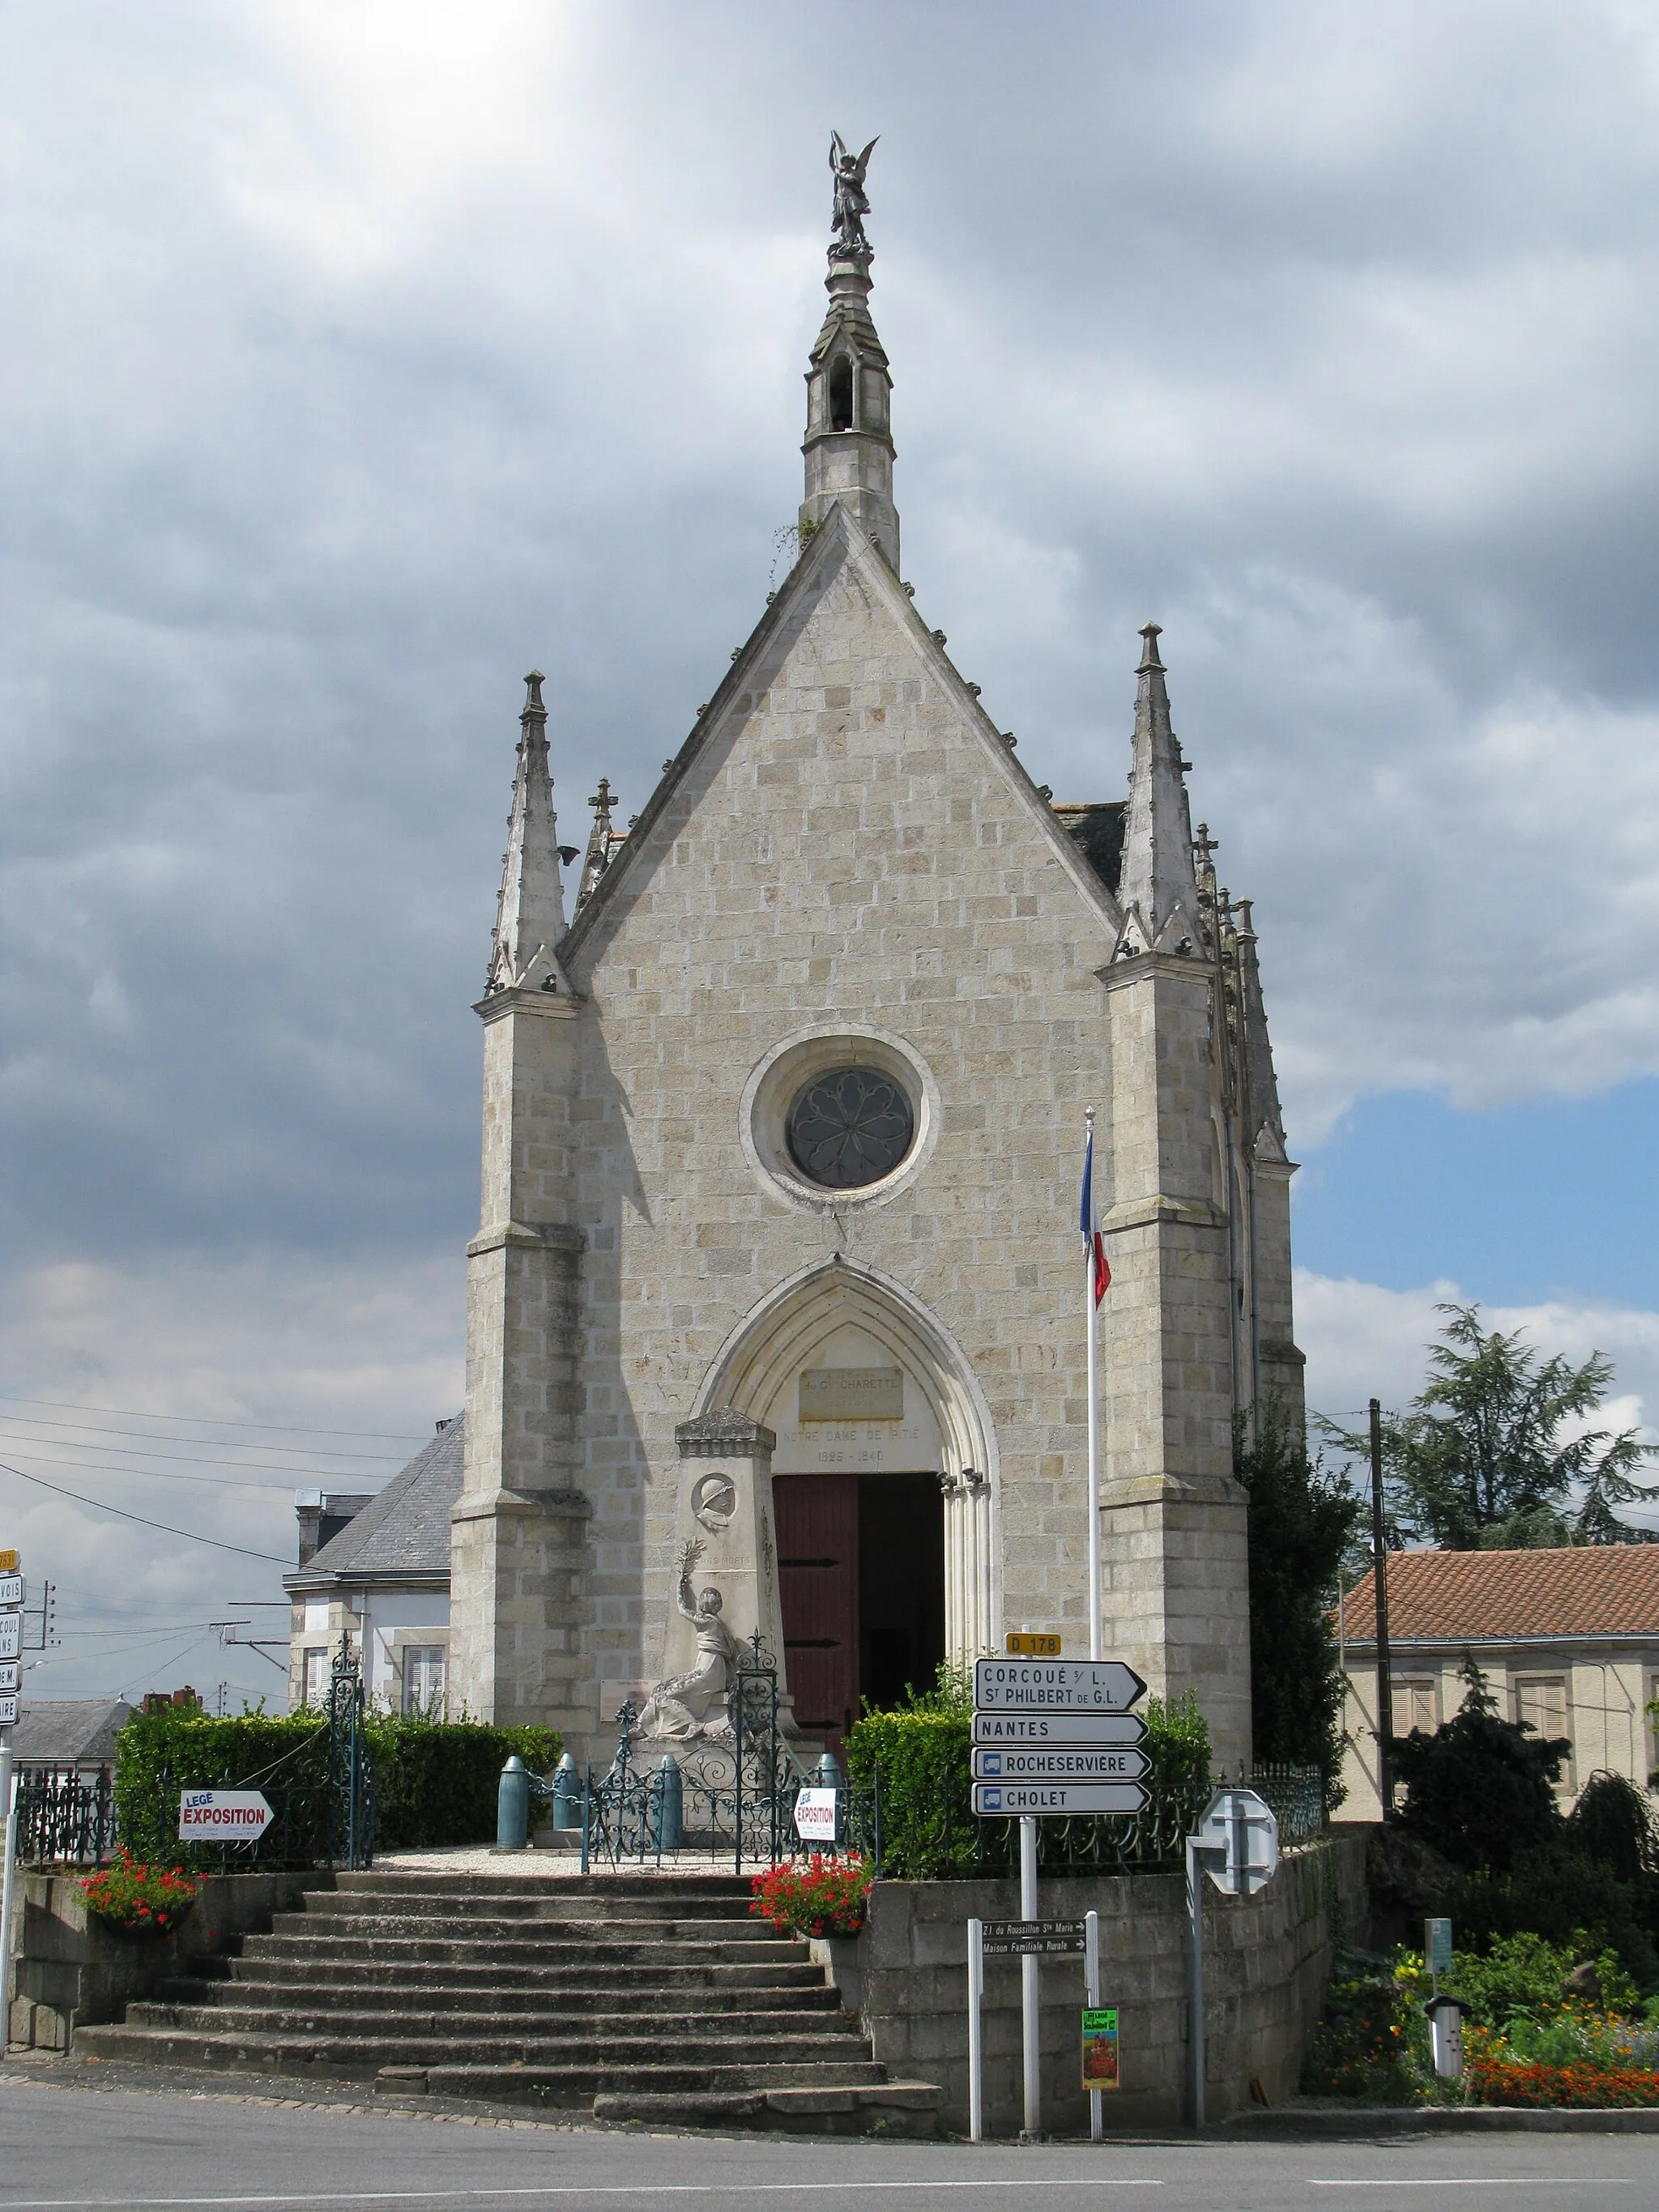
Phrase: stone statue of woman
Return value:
(693, 1704)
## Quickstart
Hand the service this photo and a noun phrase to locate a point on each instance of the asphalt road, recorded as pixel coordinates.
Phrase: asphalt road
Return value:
(64, 2148)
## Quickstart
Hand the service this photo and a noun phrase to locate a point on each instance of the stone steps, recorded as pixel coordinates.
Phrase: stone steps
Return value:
(655, 1999)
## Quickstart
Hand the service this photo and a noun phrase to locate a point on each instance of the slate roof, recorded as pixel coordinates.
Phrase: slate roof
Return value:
(68, 1731)
(403, 1530)
(1096, 827)
(1453, 1597)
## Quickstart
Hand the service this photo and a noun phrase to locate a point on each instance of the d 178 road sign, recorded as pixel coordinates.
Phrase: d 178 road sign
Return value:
(222, 1816)
(1237, 1842)
(1052, 1800)
(11, 1589)
(11, 1635)
(1067, 1731)
(1064, 1686)
(1017, 1764)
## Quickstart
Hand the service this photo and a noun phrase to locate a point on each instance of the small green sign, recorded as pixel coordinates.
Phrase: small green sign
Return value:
(1100, 2047)
(1437, 1945)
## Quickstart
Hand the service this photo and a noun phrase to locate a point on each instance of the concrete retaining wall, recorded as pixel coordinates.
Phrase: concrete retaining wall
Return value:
(70, 1970)
(1267, 1964)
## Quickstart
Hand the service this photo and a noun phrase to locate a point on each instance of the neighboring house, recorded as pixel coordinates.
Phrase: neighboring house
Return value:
(1568, 1640)
(69, 1735)
(381, 1575)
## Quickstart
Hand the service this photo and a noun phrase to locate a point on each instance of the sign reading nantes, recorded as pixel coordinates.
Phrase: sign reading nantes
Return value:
(1062, 1686)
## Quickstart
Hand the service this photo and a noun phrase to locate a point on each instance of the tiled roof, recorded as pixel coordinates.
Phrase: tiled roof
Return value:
(1434, 1597)
(68, 1731)
(404, 1528)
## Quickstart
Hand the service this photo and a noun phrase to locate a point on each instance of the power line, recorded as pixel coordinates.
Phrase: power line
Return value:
(158, 1437)
(160, 1475)
(205, 1420)
(98, 1506)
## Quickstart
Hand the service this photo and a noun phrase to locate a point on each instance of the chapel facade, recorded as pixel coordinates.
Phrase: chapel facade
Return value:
(778, 1292)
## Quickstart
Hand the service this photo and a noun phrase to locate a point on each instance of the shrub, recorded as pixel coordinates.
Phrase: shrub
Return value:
(1494, 2081)
(144, 1899)
(1363, 2047)
(928, 1833)
(435, 1782)
(1613, 1824)
(1301, 1516)
(1480, 1788)
(1554, 1894)
(818, 1897)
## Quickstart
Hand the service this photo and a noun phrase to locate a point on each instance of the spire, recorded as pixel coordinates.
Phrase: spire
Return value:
(1158, 882)
(1261, 1083)
(529, 913)
(603, 837)
(849, 442)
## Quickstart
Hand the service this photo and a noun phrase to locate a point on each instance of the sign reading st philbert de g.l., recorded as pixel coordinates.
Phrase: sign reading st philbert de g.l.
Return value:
(222, 1816)
(1061, 1685)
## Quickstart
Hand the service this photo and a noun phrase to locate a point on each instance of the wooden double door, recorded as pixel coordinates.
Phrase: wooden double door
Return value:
(861, 1577)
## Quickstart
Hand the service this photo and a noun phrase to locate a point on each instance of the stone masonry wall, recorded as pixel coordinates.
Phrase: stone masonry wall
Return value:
(1267, 1963)
(852, 843)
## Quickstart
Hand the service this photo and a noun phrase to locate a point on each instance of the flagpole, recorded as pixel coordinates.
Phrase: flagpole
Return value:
(1089, 1311)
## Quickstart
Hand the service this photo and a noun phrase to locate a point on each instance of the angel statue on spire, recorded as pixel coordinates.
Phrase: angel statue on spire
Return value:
(851, 204)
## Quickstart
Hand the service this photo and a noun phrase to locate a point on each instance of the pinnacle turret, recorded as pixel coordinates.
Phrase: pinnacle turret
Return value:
(850, 440)
(529, 912)
(1157, 888)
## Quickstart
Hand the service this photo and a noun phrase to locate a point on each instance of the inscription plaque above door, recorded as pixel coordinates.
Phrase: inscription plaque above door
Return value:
(851, 1393)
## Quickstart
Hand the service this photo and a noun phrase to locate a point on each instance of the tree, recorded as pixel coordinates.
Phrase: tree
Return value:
(1481, 1790)
(1493, 1455)
(1300, 1516)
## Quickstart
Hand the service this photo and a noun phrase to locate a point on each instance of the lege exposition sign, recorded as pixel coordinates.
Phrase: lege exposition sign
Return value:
(222, 1816)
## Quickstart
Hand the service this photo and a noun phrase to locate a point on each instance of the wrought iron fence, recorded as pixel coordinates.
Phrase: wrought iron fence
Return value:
(64, 1817)
(735, 1791)
(351, 1769)
(1296, 1794)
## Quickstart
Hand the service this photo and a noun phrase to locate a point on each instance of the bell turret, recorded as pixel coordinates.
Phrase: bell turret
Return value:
(849, 437)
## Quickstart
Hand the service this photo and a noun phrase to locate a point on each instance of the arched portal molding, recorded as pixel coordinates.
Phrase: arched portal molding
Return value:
(787, 1329)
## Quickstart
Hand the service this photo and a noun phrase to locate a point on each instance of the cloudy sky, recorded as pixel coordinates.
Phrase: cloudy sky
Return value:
(362, 357)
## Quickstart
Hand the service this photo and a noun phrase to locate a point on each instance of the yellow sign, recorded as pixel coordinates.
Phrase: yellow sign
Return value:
(10, 1562)
(1022, 1644)
(1100, 2048)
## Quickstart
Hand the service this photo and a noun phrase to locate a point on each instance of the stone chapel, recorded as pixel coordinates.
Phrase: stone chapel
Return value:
(779, 1291)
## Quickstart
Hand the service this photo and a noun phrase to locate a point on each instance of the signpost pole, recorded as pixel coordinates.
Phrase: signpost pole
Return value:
(1091, 1998)
(1091, 1324)
(9, 1804)
(1195, 1978)
(1030, 2005)
(975, 2032)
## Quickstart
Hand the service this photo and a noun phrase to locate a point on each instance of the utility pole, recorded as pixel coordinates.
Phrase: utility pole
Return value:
(1380, 1579)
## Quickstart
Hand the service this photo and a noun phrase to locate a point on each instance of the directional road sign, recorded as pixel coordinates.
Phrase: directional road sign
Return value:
(1068, 1731)
(11, 1675)
(1066, 1686)
(1052, 1800)
(1237, 1842)
(8, 1709)
(1032, 1939)
(11, 1635)
(222, 1816)
(1017, 1764)
(11, 1589)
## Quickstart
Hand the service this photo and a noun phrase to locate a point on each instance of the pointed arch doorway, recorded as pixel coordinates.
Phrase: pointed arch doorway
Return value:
(884, 1484)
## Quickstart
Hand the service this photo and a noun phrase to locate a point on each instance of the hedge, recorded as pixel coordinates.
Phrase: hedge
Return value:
(921, 1753)
(435, 1782)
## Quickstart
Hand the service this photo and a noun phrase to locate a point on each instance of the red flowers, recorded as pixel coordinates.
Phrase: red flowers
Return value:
(822, 1897)
(129, 1894)
(1492, 2082)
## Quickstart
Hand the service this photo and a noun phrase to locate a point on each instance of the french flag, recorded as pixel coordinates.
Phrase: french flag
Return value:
(1089, 1222)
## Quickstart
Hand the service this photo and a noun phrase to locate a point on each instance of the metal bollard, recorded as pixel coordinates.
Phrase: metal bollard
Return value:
(671, 1805)
(513, 1807)
(567, 1794)
(826, 1775)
